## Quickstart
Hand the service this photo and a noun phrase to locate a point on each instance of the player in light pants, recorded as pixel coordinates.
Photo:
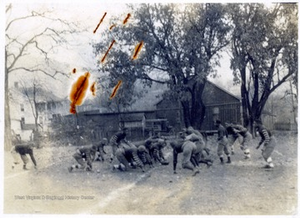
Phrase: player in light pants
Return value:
(247, 137)
(223, 145)
(268, 141)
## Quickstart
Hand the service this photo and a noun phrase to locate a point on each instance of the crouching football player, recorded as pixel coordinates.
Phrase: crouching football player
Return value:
(23, 150)
(127, 154)
(84, 156)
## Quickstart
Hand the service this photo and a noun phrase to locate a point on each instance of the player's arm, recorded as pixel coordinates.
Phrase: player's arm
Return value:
(220, 134)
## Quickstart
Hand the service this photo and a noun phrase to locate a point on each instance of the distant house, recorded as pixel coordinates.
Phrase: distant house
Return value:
(220, 104)
(21, 111)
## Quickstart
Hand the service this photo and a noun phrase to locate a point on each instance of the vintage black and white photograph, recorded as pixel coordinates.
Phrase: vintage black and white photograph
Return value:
(150, 108)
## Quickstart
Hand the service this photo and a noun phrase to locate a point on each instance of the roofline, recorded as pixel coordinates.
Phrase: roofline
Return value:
(224, 90)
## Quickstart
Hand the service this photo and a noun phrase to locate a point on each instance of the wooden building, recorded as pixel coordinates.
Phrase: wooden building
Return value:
(166, 118)
(220, 104)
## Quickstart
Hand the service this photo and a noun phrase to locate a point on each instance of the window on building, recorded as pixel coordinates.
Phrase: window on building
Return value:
(23, 120)
(22, 107)
(216, 111)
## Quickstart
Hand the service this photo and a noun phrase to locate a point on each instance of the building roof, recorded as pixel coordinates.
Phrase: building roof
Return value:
(218, 87)
(46, 95)
(224, 90)
(42, 95)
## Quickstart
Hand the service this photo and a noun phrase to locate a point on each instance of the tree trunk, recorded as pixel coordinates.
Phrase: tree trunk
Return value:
(198, 107)
(186, 112)
(7, 131)
(244, 95)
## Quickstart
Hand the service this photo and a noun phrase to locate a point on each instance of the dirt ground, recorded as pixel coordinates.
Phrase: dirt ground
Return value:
(240, 188)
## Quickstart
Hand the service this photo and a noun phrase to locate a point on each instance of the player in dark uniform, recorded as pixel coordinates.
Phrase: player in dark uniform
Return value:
(268, 141)
(125, 152)
(116, 140)
(84, 156)
(247, 137)
(144, 155)
(234, 138)
(23, 150)
(100, 149)
(155, 146)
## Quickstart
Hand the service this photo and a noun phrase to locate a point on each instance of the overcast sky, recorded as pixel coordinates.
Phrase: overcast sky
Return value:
(88, 13)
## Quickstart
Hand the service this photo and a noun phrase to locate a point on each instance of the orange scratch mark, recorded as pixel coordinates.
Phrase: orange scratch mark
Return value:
(74, 70)
(93, 89)
(112, 26)
(102, 60)
(100, 22)
(116, 88)
(78, 91)
(126, 19)
(137, 50)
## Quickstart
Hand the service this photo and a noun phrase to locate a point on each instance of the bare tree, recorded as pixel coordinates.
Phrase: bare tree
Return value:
(32, 91)
(22, 48)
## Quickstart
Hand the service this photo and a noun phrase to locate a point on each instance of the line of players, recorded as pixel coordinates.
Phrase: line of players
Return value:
(190, 143)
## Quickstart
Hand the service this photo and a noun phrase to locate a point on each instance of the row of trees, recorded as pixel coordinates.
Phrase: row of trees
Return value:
(183, 44)
(182, 47)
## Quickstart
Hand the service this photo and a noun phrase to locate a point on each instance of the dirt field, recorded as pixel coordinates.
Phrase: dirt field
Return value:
(240, 188)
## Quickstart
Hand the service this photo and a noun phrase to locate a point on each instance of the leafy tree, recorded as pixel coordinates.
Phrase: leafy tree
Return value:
(29, 38)
(126, 95)
(265, 52)
(181, 47)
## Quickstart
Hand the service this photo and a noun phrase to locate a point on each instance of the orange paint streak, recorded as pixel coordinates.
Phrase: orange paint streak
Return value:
(137, 50)
(74, 70)
(78, 91)
(93, 89)
(116, 88)
(102, 60)
(126, 19)
(99, 23)
(112, 26)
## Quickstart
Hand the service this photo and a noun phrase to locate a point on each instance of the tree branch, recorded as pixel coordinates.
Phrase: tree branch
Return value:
(40, 70)
(147, 77)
